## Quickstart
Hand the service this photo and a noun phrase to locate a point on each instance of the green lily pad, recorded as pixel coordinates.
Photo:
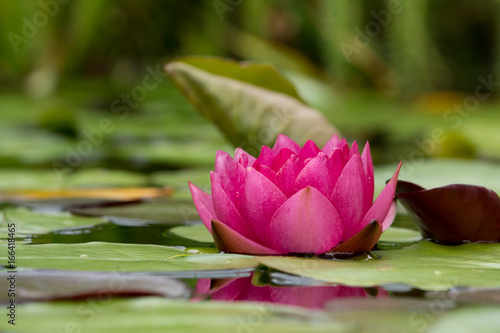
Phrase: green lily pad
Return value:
(400, 235)
(29, 222)
(424, 265)
(197, 233)
(97, 256)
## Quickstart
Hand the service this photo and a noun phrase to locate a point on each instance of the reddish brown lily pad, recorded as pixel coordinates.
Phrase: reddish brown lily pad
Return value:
(453, 214)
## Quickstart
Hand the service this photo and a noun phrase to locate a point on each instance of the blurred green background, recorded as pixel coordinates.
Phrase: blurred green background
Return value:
(84, 100)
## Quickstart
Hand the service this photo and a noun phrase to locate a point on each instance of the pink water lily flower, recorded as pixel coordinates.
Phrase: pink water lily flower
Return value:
(294, 199)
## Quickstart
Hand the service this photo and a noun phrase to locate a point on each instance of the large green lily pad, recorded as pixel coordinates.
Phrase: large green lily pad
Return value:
(30, 222)
(424, 265)
(97, 256)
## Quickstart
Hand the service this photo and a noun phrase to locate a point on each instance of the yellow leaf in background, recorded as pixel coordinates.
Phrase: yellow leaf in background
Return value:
(119, 193)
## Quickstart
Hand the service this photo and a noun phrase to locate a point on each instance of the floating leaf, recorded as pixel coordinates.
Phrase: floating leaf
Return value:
(453, 214)
(197, 233)
(28, 222)
(424, 265)
(249, 103)
(97, 256)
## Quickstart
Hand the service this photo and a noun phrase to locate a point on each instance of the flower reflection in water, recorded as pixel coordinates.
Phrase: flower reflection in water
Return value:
(314, 297)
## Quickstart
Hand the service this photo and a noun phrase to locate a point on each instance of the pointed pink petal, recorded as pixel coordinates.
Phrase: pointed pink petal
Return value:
(381, 207)
(280, 160)
(306, 223)
(287, 174)
(310, 150)
(366, 158)
(344, 147)
(348, 195)
(391, 215)
(331, 144)
(226, 210)
(203, 203)
(318, 174)
(259, 200)
(336, 164)
(266, 157)
(244, 158)
(354, 150)
(266, 171)
(231, 173)
(228, 240)
(285, 142)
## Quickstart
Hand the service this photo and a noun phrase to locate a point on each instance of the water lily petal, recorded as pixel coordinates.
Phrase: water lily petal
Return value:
(244, 158)
(309, 150)
(232, 174)
(283, 156)
(204, 206)
(306, 223)
(349, 194)
(354, 150)
(228, 240)
(331, 144)
(391, 215)
(266, 157)
(226, 211)
(362, 241)
(286, 176)
(366, 158)
(259, 200)
(381, 207)
(266, 171)
(283, 142)
(317, 173)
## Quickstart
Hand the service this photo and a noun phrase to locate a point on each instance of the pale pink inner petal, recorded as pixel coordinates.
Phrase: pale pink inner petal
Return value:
(226, 211)
(204, 206)
(283, 142)
(306, 223)
(349, 194)
(259, 200)
(318, 174)
(381, 207)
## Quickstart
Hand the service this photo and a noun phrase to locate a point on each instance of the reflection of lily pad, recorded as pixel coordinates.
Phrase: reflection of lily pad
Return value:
(197, 233)
(29, 222)
(424, 265)
(96, 256)
(49, 284)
